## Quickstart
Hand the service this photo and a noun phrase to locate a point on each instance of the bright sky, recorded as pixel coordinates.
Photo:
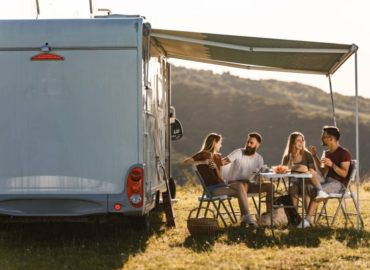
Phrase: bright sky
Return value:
(333, 21)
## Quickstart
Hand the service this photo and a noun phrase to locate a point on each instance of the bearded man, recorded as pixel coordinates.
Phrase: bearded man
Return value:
(244, 162)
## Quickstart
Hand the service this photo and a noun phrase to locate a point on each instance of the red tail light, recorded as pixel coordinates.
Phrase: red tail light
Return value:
(135, 176)
(46, 56)
(134, 187)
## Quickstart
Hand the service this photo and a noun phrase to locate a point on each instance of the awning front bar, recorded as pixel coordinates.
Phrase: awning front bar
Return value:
(249, 49)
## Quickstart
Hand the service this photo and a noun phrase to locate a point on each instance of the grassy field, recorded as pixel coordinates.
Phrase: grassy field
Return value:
(117, 246)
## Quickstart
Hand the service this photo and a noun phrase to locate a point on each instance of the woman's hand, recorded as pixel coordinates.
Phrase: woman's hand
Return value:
(211, 164)
(313, 150)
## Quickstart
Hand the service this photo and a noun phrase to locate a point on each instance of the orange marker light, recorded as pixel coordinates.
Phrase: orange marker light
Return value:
(135, 187)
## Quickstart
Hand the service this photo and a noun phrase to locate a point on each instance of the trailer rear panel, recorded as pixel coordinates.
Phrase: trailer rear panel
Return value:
(68, 126)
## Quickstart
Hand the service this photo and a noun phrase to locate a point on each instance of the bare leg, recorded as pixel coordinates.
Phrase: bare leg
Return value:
(235, 190)
(265, 187)
(307, 198)
(294, 191)
(313, 205)
(314, 180)
(242, 196)
(245, 185)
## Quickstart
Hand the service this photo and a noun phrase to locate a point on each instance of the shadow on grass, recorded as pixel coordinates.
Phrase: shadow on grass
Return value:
(293, 237)
(262, 237)
(74, 245)
(200, 244)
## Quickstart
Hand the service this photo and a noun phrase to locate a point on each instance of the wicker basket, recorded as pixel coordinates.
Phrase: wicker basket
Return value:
(202, 226)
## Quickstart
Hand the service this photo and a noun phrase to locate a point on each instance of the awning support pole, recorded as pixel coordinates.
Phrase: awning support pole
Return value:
(357, 147)
(332, 101)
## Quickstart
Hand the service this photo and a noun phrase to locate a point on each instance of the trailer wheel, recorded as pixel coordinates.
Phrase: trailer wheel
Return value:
(140, 223)
(172, 185)
(157, 195)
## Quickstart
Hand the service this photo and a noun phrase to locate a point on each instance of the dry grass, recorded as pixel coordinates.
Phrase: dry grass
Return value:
(117, 246)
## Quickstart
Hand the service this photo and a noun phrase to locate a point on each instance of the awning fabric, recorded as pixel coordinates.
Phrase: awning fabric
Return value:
(254, 53)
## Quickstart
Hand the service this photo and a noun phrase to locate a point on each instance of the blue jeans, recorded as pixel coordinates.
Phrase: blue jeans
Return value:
(212, 189)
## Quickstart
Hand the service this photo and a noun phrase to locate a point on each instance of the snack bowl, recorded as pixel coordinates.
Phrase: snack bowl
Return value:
(280, 169)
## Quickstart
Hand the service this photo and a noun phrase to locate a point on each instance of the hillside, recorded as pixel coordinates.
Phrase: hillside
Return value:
(233, 106)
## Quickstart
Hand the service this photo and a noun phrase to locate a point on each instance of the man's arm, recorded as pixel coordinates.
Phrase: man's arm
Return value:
(341, 170)
(231, 157)
(225, 161)
(317, 160)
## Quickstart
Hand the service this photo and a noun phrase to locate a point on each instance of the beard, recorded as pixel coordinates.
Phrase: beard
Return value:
(249, 151)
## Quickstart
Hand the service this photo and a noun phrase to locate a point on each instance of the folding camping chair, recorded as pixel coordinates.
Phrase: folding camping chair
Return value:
(206, 197)
(342, 197)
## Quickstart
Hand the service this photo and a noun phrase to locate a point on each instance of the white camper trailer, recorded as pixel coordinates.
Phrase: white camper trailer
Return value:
(86, 119)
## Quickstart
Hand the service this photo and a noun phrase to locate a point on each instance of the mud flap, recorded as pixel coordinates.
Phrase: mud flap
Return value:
(168, 209)
(172, 185)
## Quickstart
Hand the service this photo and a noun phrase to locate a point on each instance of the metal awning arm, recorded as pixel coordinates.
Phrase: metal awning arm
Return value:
(332, 101)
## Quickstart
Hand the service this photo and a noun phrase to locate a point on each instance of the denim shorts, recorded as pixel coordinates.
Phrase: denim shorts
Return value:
(212, 189)
(298, 181)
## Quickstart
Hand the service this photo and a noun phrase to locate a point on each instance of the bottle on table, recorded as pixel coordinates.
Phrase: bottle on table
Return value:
(322, 164)
(291, 162)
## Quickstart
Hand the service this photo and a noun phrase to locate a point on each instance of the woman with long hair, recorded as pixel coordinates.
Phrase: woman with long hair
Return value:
(296, 148)
(209, 163)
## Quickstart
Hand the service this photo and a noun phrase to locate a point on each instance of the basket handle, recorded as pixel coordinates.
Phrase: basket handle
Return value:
(214, 216)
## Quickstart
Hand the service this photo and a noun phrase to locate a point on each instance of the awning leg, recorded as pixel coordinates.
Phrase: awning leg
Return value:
(332, 101)
(357, 146)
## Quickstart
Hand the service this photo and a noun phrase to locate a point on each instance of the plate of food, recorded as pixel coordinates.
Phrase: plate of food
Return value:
(280, 169)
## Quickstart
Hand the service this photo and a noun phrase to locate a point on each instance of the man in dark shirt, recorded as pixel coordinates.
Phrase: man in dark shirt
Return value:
(337, 163)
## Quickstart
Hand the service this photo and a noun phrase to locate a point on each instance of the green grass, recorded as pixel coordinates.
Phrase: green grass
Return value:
(115, 245)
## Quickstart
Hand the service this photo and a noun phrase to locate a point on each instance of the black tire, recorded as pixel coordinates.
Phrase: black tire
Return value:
(157, 195)
(172, 185)
(140, 223)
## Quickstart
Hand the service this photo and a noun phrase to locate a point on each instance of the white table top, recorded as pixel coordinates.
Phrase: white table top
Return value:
(279, 175)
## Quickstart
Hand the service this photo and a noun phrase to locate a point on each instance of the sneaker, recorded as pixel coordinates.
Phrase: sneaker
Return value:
(321, 196)
(306, 224)
(249, 220)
